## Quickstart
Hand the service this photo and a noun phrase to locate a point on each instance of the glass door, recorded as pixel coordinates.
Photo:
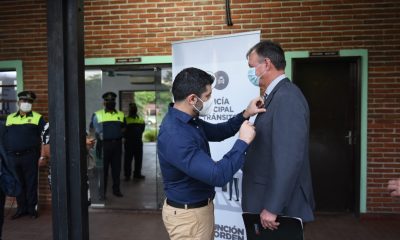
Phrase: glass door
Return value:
(163, 99)
(149, 89)
(8, 93)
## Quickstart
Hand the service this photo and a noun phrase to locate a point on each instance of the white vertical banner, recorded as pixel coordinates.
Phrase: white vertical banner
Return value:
(225, 57)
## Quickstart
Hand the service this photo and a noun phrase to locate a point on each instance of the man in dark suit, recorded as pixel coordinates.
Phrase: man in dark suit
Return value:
(276, 172)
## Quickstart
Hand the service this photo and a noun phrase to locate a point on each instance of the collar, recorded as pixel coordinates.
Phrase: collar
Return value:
(272, 85)
(184, 117)
(110, 111)
(28, 114)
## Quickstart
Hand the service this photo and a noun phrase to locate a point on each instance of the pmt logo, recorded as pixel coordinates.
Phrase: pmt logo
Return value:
(222, 110)
(221, 80)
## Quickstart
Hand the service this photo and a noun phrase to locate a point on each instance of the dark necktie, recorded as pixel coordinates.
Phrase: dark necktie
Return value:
(265, 97)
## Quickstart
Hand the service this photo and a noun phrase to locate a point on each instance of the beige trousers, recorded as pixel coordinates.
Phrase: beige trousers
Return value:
(189, 224)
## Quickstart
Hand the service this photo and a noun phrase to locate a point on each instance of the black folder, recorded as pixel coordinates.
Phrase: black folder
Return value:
(290, 228)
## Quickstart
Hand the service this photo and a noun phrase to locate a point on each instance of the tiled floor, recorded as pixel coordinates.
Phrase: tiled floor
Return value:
(138, 194)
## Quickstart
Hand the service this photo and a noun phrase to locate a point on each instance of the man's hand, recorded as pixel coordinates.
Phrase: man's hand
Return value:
(44, 155)
(42, 161)
(268, 220)
(255, 106)
(394, 187)
(90, 142)
(247, 132)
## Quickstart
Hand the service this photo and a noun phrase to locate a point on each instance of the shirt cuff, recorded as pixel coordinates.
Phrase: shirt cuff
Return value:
(241, 145)
(241, 115)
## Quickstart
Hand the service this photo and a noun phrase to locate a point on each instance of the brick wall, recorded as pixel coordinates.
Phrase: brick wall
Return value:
(121, 28)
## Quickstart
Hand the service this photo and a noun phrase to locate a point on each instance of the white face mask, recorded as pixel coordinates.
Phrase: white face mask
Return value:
(207, 106)
(25, 107)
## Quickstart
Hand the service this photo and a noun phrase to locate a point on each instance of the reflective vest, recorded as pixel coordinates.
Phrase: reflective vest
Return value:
(103, 116)
(131, 120)
(20, 120)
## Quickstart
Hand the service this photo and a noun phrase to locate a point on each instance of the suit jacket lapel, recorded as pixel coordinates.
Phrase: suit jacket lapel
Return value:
(271, 95)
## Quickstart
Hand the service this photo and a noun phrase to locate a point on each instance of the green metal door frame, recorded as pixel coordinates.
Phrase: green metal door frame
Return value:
(14, 65)
(135, 60)
(363, 54)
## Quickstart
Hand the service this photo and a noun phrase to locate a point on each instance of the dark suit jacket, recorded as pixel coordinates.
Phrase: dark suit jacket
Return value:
(276, 172)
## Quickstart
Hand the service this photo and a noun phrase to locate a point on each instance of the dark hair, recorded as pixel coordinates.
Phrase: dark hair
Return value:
(271, 50)
(133, 109)
(190, 81)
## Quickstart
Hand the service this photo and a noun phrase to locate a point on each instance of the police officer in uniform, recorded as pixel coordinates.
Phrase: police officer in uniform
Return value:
(108, 124)
(22, 142)
(133, 143)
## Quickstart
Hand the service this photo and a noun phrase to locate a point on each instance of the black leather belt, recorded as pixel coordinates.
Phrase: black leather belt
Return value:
(189, 205)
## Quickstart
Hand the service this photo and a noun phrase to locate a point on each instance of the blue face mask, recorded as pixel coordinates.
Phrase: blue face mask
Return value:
(253, 78)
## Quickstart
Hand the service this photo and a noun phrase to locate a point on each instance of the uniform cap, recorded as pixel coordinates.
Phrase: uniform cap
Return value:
(109, 96)
(29, 95)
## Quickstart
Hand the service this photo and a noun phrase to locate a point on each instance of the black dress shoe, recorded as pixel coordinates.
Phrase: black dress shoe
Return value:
(34, 214)
(139, 176)
(18, 214)
(118, 194)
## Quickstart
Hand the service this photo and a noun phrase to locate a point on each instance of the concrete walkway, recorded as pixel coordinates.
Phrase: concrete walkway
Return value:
(124, 225)
(103, 225)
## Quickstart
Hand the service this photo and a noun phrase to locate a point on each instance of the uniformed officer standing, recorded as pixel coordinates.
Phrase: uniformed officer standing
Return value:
(133, 143)
(108, 124)
(22, 142)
